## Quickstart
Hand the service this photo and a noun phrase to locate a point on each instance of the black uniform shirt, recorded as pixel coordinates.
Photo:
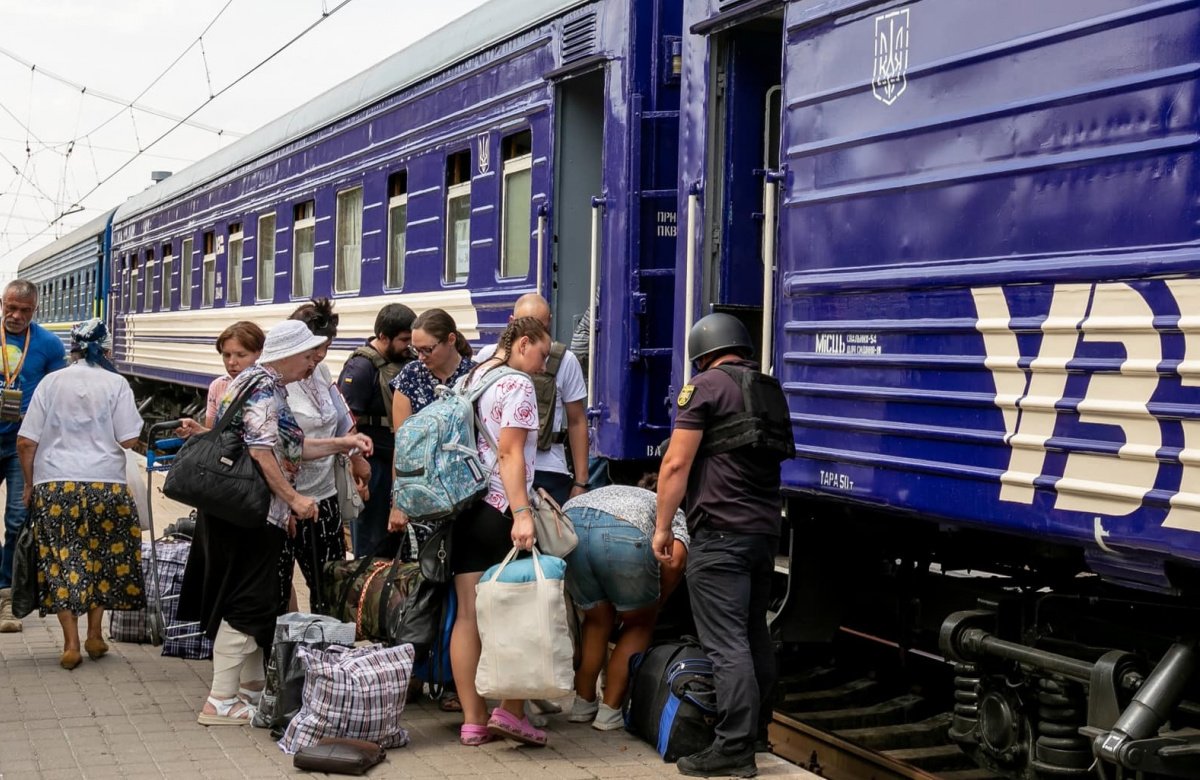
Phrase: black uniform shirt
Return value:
(731, 491)
(359, 383)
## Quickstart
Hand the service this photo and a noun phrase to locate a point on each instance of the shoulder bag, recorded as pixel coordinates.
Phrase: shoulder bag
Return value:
(553, 531)
(215, 473)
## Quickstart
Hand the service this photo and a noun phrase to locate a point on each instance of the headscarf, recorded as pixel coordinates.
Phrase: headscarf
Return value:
(92, 341)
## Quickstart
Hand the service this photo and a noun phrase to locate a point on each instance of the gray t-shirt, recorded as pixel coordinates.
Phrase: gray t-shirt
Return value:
(634, 505)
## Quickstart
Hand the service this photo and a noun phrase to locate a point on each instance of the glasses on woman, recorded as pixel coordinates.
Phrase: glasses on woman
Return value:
(426, 351)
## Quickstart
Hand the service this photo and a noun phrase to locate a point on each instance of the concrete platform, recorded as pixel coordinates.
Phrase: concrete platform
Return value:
(132, 715)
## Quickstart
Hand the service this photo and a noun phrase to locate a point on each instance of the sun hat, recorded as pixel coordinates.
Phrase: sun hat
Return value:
(287, 338)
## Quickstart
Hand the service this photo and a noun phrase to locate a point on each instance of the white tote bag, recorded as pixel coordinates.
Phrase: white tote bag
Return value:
(522, 617)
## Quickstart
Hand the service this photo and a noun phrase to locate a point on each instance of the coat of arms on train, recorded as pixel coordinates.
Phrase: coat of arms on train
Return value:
(891, 56)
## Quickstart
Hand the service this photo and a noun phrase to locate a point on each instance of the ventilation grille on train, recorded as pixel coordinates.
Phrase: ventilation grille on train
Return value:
(579, 37)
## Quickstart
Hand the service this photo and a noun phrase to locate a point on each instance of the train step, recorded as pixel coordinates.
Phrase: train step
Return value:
(902, 709)
(968, 774)
(930, 732)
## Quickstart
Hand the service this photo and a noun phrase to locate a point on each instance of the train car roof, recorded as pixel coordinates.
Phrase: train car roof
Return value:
(77, 236)
(471, 33)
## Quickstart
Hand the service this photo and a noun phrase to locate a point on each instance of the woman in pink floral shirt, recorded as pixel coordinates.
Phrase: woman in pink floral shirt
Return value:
(484, 533)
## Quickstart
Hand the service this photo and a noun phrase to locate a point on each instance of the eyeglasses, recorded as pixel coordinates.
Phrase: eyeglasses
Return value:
(321, 322)
(426, 351)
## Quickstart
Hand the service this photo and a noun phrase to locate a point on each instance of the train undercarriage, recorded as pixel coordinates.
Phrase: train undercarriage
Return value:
(1051, 672)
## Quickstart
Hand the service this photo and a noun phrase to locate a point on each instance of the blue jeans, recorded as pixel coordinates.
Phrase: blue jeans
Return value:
(14, 507)
(370, 527)
(613, 563)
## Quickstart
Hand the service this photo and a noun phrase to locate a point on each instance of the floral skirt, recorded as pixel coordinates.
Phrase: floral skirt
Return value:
(89, 547)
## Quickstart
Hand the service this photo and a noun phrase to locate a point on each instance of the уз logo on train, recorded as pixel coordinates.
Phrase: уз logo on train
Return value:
(891, 56)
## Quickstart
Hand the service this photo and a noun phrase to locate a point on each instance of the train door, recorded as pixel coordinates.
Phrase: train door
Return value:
(744, 154)
(579, 146)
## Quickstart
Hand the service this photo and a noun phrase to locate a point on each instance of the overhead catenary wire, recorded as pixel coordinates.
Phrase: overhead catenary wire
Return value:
(184, 120)
(112, 98)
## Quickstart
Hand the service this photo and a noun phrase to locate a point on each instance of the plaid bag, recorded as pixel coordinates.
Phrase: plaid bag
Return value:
(355, 693)
(133, 626)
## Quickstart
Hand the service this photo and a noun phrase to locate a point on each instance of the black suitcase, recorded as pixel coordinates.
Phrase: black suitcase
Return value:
(672, 699)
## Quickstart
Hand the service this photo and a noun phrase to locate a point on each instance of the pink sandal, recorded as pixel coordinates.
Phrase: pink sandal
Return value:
(473, 735)
(504, 724)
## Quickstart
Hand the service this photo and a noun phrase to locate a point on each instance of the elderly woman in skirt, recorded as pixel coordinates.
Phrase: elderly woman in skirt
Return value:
(231, 583)
(84, 519)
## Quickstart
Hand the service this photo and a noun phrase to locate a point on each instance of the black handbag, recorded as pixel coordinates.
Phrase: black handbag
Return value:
(435, 554)
(339, 756)
(215, 473)
(25, 571)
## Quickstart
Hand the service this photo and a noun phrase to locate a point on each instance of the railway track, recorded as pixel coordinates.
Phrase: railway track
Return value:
(872, 715)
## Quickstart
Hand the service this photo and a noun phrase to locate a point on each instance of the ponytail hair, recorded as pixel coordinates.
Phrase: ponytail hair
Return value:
(318, 315)
(521, 327)
(439, 324)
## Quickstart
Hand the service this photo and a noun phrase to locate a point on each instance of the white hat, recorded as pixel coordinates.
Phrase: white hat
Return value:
(290, 337)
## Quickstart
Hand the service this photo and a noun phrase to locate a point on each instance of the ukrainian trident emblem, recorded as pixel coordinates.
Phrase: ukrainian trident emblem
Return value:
(891, 56)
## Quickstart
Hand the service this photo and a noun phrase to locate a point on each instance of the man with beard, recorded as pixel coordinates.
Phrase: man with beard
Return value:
(364, 384)
(27, 353)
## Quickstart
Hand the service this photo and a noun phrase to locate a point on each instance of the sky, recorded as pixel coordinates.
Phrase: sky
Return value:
(70, 151)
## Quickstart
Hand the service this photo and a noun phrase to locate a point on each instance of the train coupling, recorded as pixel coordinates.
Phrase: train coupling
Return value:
(1028, 712)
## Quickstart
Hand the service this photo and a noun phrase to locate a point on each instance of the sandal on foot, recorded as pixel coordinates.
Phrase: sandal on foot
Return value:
(504, 724)
(229, 712)
(450, 703)
(251, 696)
(95, 648)
(473, 735)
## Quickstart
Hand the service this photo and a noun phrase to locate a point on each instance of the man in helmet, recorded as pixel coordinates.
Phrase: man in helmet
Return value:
(731, 433)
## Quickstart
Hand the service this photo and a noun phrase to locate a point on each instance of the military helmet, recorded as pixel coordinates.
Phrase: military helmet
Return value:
(718, 333)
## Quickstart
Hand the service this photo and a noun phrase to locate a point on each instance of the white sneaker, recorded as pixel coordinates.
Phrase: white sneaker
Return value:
(583, 711)
(608, 719)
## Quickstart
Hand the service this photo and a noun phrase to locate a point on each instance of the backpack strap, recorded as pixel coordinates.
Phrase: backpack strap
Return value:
(473, 393)
(379, 361)
(557, 350)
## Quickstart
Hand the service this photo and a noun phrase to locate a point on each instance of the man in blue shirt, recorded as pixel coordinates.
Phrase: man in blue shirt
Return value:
(27, 353)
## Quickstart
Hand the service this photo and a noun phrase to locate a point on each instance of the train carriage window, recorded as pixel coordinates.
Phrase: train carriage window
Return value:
(148, 275)
(348, 267)
(304, 233)
(208, 285)
(397, 228)
(233, 271)
(134, 277)
(168, 265)
(73, 297)
(186, 269)
(266, 258)
(516, 201)
(458, 217)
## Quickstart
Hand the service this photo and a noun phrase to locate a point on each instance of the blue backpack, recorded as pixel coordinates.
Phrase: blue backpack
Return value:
(438, 469)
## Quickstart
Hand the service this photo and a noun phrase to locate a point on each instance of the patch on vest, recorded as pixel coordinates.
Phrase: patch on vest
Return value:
(685, 395)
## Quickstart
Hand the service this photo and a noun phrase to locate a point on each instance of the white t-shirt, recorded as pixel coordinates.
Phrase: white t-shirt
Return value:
(571, 387)
(510, 403)
(79, 417)
(314, 410)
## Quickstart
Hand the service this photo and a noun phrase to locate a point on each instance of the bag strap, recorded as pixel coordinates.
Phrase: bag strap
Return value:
(557, 351)
(233, 408)
(476, 391)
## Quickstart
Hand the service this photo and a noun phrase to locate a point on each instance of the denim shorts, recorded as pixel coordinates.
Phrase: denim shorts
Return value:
(614, 563)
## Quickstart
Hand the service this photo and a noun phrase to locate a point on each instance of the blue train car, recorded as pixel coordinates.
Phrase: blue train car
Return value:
(979, 277)
(71, 276)
(528, 146)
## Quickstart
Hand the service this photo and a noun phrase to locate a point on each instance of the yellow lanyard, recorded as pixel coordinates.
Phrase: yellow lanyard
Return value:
(9, 378)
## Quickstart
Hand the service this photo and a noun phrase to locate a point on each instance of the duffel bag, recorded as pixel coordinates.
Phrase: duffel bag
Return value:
(672, 700)
(370, 593)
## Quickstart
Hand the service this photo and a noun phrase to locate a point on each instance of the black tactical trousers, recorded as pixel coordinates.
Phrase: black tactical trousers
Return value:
(729, 582)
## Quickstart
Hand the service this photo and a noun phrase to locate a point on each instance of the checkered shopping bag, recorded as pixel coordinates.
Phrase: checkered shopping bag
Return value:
(132, 626)
(353, 693)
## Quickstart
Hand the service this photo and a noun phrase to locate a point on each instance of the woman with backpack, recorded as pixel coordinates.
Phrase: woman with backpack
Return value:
(443, 357)
(484, 533)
